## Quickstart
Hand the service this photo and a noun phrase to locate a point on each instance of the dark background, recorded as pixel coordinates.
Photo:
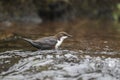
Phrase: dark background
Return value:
(59, 9)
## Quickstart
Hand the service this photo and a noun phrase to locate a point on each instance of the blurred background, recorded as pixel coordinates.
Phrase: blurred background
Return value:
(93, 53)
(94, 24)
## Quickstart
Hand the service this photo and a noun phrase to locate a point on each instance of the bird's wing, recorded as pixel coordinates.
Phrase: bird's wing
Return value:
(28, 40)
(47, 41)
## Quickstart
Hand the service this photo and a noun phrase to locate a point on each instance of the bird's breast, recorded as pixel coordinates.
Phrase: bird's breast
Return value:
(59, 42)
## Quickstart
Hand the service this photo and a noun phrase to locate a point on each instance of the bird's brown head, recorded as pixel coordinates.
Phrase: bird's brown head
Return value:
(62, 35)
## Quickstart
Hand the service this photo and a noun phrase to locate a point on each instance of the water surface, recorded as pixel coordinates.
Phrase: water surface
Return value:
(93, 53)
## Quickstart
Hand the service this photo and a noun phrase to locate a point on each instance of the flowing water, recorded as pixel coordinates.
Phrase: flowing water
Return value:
(93, 53)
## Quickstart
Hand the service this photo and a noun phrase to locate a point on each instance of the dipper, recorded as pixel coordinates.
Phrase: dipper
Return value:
(47, 43)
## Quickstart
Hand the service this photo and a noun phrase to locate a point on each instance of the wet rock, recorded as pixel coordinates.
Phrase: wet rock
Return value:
(57, 65)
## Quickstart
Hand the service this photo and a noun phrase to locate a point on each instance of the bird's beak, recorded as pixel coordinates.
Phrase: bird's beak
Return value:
(69, 35)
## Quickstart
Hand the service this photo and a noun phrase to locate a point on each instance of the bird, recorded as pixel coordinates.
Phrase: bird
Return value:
(50, 42)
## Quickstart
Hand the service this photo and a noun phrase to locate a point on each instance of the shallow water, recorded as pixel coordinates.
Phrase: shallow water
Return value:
(93, 53)
(90, 35)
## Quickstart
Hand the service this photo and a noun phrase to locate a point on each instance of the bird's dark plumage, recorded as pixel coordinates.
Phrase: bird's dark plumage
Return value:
(43, 43)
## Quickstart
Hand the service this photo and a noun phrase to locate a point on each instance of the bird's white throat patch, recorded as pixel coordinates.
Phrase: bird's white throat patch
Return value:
(59, 42)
